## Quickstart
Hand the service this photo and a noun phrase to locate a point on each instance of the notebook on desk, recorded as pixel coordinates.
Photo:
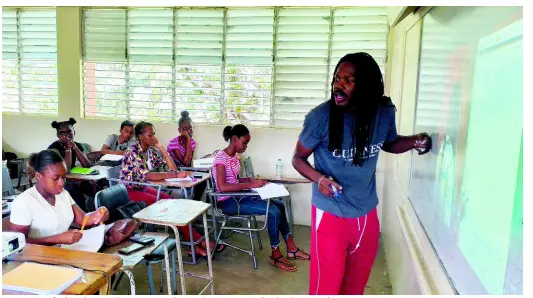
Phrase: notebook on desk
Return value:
(40, 279)
(84, 171)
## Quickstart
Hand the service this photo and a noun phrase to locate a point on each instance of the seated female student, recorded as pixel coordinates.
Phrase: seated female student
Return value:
(181, 149)
(118, 144)
(139, 164)
(226, 168)
(71, 152)
(45, 212)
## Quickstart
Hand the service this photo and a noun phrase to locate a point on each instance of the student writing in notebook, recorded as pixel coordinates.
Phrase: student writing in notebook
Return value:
(226, 169)
(181, 149)
(118, 144)
(140, 164)
(45, 212)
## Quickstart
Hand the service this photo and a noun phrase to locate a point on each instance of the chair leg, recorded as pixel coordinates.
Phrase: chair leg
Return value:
(150, 278)
(248, 221)
(191, 242)
(175, 280)
(291, 218)
(257, 234)
(161, 278)
(117, 282)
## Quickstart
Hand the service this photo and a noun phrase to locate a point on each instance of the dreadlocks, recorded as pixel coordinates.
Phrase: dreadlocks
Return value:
(368, 96)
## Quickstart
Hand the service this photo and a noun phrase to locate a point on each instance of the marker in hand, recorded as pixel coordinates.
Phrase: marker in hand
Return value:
(335, 191)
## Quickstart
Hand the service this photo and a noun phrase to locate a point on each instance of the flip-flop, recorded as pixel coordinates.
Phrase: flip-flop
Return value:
(287, 266)
(296, 257)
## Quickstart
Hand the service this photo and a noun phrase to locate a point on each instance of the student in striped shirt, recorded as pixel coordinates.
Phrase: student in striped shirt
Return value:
(226, 168)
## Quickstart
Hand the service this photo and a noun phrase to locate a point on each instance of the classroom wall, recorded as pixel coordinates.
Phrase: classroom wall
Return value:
(413, 265)
(26, 134)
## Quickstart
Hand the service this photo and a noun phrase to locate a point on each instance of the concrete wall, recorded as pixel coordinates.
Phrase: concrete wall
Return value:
(26, 134)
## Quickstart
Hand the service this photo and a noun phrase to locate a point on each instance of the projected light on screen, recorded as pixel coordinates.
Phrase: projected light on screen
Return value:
(467, 192)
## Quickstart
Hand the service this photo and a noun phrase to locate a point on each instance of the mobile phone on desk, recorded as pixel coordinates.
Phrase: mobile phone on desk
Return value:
(142, 240)
(130, 249)
(198, 176)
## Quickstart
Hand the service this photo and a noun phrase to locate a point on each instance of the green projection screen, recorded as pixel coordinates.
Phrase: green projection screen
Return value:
(467, 192)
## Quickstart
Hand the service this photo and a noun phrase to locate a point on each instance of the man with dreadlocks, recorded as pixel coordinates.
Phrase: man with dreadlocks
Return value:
(345, 134)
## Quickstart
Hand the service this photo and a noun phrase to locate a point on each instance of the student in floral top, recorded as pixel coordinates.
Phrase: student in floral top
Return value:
(181, 149)
(139, 165)
(226, 169)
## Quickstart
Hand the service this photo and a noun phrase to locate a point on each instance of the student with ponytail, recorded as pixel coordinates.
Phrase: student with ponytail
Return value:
(226, 170)
(45, 212)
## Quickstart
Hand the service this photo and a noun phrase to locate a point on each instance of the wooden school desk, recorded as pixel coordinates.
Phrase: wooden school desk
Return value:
(95, 281)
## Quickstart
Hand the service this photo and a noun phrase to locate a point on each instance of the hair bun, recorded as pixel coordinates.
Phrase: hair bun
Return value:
(54, 124)
(72, 121)
(185, 114)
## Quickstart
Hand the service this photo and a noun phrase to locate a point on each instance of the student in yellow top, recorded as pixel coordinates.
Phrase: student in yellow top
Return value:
(45, 212)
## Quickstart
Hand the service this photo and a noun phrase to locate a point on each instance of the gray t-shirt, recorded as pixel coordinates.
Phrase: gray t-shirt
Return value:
(112, 142)
(358, 183)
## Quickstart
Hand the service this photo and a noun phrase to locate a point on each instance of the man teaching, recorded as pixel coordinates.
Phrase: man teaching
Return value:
(346, 134)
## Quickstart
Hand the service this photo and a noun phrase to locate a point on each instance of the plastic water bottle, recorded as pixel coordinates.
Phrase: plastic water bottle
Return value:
(278, 169)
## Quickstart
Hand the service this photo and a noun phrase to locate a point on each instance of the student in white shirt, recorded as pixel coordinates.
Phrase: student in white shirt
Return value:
(45, 212)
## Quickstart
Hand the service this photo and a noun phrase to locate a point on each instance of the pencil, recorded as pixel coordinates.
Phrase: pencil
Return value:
(85, 219)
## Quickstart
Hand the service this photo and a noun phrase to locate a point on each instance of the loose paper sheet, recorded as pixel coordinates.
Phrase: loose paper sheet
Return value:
(92, 240)
(272, 190)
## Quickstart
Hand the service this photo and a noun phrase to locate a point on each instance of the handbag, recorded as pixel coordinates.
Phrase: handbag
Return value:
(120, 231)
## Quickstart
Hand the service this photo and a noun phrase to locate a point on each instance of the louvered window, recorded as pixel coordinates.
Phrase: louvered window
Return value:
(29, 61)
(262, 66)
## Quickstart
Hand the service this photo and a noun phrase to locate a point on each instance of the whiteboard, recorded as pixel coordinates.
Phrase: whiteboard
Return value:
(467, 191)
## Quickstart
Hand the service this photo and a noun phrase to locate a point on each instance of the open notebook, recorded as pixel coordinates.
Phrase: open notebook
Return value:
(40, 279)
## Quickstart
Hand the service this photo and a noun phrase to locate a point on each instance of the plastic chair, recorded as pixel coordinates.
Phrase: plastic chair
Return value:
(7, 184)
(116, 196)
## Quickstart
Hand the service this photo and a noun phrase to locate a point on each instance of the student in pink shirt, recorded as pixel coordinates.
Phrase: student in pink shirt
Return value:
(226, 170)
(181, 149)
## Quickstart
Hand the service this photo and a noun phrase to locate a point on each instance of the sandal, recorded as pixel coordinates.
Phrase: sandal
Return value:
(220, 247)
(286, 265)
(296, 257)
(197, 253)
